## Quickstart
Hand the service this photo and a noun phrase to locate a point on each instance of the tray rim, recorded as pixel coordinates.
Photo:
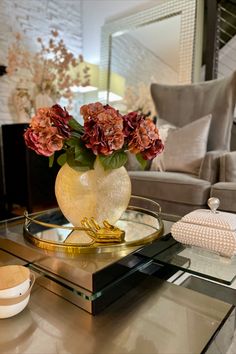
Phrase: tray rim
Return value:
(73, 248)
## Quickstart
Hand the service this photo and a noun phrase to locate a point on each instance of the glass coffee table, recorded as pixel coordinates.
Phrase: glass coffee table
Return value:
(96, 271)
(67, 284)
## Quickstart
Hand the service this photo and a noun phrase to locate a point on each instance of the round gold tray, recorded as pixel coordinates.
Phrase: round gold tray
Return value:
(51, 231)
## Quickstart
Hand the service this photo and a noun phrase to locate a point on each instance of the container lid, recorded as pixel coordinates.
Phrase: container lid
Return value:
(13, 275)
(218, 220)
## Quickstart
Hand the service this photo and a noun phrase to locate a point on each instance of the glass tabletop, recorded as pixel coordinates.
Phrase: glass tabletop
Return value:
(198, 261)
(165, 251)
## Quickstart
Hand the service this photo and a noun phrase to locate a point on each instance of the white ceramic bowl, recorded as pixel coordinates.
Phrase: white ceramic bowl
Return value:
(16, 290)
(12, 310)
(13, 299)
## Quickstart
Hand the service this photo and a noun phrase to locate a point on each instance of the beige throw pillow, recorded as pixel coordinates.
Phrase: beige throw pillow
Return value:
(184, 148)
(164, 128)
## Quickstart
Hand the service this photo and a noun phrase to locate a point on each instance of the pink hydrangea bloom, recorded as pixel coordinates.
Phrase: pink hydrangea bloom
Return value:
(48, 130)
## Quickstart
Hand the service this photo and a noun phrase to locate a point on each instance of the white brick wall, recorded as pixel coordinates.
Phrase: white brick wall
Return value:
(34, 18)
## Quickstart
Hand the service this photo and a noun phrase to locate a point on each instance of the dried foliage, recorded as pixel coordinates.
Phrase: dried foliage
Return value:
(53, 69)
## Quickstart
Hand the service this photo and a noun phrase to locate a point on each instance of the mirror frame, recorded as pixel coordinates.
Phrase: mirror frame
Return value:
(191, 33)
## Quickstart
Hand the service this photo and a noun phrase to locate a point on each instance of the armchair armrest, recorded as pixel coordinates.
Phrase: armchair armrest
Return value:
(228, 167)
(210, 166)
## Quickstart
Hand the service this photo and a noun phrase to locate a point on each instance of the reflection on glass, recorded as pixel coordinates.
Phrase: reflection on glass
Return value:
(199, 261)
(145, 54)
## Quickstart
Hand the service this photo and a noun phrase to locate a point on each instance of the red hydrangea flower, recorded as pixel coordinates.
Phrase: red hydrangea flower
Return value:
(131, 122)
(142, 136)
(155, 149)
(60, 118)
(103, 128)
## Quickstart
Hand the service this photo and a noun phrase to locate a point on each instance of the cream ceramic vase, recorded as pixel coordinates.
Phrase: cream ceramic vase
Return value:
(96, 193)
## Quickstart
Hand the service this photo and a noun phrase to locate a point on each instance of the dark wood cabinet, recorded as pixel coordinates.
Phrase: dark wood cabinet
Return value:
(29, 181)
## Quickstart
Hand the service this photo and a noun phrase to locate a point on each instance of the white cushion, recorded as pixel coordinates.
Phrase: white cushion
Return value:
(184, 148)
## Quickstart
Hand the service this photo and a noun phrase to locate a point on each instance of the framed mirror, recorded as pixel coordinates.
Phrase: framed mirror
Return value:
(160, 44)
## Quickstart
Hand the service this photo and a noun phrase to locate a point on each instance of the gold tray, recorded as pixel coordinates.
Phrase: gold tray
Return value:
(141, 222)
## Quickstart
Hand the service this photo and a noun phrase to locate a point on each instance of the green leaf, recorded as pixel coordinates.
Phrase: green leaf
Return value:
(51, 160)
(141, 160)
(78, 150)
(76, 135)
(78, 155)
(72, 141)
(84, 161)
(76, 125)
(84, 156)
(116, 160)
(61, 160)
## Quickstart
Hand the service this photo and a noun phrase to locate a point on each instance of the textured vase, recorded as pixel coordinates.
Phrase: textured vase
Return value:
(96, 193)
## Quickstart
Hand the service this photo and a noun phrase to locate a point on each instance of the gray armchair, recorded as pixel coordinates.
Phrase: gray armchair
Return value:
(225, 189)
(179, 192)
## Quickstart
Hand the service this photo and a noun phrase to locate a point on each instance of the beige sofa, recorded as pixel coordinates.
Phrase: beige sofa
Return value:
(179, 192)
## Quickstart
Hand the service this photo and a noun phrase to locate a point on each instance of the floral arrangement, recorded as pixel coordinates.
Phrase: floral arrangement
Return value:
(106, 134)
(53, 69)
